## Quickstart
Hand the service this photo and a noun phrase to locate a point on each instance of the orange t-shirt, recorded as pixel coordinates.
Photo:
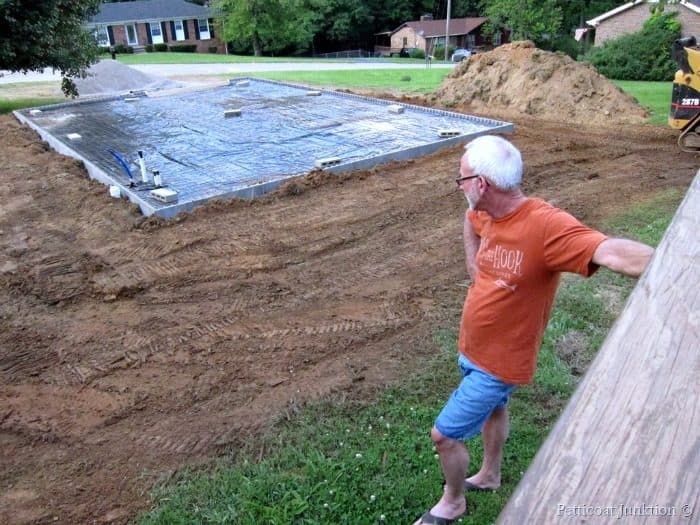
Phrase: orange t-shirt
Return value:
(519, 261)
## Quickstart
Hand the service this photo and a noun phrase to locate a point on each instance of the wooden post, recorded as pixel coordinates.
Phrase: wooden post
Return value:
(627, 446)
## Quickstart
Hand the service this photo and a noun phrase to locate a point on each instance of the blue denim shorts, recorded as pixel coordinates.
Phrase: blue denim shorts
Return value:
(470, 405)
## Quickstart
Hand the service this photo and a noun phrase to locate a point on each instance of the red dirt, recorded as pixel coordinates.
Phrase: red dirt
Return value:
(520, 77)
(130, 347)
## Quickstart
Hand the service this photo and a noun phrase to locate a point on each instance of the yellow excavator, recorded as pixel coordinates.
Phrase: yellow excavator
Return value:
(685, 101)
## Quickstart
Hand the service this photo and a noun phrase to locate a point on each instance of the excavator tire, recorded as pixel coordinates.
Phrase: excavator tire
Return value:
(689, 139)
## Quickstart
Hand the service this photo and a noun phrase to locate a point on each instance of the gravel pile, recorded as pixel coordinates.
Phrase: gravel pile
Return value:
(110, 76)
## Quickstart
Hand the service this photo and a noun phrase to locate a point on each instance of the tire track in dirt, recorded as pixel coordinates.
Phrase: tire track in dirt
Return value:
(55, 278)
(155, 264)
(25, 363)
(137, 350)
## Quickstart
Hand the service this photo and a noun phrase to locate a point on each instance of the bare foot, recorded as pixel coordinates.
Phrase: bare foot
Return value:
(477, 482)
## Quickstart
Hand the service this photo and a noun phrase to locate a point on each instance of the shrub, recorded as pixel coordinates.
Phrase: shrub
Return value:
(123, 49)
(417, 53)
(183, 48)
(213, 50)
(439, 52)
(644, 55)
(149, 48)
(568, 44)
(160, 47)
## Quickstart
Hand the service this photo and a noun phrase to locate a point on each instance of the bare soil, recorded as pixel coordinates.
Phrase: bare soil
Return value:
(130, 347)
(520, 77)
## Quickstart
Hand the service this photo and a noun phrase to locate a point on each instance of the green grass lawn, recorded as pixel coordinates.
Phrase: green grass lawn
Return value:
(20, 95)
(8, 105)
(655, 96)
(343, 463)
(209, 58)
(197, 58)
(405, 80)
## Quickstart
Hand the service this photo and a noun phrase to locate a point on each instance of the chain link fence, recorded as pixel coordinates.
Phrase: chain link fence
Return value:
(352, 53)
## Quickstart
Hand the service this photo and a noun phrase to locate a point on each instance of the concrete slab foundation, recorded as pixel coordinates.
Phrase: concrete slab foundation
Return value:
(241, 140)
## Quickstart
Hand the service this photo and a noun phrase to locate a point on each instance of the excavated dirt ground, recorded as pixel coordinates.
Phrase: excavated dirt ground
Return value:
(130, 347)
(552, 86)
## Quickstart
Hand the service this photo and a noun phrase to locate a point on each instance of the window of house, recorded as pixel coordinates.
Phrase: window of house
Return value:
(179, 30)
(497, 39)
(471, 41)
(405, 41)
(102, 36)
(203, 25)
(156, 33)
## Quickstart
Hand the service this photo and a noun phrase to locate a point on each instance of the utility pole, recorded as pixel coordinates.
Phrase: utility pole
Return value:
(447, 28)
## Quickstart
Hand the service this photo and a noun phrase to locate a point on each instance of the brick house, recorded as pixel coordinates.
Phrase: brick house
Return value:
(630, 17)
(427, 33)
(170, 22)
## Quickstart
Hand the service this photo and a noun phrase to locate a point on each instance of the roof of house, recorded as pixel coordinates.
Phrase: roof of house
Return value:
(692, 5)
(432, 28)
(120, 12)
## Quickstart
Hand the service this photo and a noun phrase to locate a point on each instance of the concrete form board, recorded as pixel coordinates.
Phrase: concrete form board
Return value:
(281, 132)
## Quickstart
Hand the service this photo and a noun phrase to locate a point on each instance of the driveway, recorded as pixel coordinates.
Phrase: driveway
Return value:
(166, 70)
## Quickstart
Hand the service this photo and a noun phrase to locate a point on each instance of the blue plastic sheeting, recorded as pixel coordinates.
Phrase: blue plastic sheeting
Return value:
(281, 131)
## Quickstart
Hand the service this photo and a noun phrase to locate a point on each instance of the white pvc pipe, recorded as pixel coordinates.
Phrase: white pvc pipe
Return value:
(142, 165)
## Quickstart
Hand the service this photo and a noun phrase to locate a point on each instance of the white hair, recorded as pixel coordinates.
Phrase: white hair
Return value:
(497, 160)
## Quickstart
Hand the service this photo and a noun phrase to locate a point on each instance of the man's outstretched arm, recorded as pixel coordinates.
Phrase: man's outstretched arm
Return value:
(623, 256)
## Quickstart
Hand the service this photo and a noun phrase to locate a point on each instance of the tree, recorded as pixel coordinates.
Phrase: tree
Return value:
(354, 23)
(576, 12)
(50, 33)
(658, 8)
(267, 25)
(351, 21)
(536, 20)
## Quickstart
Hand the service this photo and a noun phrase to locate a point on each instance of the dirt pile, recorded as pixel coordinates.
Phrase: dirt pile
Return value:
(109, 76)
(552, 86)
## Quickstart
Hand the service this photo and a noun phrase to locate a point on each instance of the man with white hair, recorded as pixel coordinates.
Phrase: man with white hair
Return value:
(515, 248)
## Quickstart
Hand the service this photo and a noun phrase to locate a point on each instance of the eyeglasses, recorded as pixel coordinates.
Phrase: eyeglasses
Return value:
(460, 180)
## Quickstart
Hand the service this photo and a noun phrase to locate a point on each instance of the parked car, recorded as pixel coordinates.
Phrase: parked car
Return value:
(460, 54)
